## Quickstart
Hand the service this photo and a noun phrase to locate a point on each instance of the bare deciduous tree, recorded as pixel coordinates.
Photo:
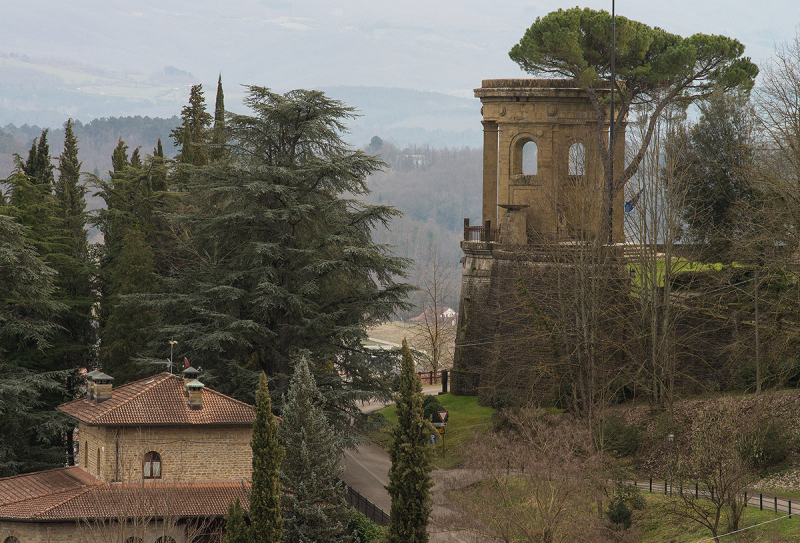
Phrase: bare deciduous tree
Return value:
(532, 483)
(715, 463)
(435, 334)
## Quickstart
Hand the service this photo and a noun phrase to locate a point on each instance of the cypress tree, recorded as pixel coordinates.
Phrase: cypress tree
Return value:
(119, 157)
(313, 497)
(409, 477)
(38, 167)
(74, 344)
(236, 529)
(218, 133)
(265, 494)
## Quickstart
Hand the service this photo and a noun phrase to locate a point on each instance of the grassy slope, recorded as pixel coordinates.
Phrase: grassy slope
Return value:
(466, 420)
(657, 527)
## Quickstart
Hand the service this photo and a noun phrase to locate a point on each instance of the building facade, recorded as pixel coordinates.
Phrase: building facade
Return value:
(158, 461)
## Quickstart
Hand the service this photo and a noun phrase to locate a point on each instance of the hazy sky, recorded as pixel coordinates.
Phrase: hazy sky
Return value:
(442, 45)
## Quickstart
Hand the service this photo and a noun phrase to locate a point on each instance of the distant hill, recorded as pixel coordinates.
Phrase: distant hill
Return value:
(45, 92)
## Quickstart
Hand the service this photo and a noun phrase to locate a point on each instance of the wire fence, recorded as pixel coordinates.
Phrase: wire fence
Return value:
(366, 507)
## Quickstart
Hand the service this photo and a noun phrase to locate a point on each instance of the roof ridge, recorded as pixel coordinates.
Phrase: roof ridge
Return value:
(218, 393)
(63, 468)
(85, 490)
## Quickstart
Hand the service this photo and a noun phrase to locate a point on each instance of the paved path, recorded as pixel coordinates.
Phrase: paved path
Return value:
(367, 471)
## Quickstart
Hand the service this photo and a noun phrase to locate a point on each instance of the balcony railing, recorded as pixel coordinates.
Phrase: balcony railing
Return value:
(481, 233)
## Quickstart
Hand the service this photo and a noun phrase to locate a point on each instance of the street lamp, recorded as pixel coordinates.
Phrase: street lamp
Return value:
(671, 438)
(172, 344)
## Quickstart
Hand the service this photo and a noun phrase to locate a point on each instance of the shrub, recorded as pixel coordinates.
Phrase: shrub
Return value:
(362, 529)
(502, 399)
(430, 408)
(619, 437)
(767, 443)
(624, 500)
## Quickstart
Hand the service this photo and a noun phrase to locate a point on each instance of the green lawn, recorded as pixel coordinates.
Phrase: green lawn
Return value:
(466, 419)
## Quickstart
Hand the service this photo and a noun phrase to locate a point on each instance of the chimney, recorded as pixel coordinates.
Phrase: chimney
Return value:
(189, 375)
(102, 387)
(90, 384)
(194, 391)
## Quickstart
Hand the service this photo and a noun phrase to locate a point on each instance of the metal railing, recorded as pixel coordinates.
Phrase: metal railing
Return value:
(366, 507)
(768, 502)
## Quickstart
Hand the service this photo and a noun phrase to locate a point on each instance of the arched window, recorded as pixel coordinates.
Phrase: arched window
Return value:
(530, 159)
(11, 539)
(152, 466)
(134, 540)
(577, 159)
(165, 539)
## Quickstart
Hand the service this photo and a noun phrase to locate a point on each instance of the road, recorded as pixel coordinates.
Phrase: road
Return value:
(367, 471)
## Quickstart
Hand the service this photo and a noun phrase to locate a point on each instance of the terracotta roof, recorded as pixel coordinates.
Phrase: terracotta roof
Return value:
(72, 494)
(159, 400)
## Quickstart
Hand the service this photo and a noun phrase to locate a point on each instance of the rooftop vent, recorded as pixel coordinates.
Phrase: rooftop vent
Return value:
(194, 390)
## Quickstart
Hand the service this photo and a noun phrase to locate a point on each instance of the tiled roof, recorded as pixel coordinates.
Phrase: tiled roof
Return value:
(159, 400)
(72, 494)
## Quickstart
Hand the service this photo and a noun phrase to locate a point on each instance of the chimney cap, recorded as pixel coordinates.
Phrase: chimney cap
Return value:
(100, 376)
(195, 384)
(190, 371)
(91, 374)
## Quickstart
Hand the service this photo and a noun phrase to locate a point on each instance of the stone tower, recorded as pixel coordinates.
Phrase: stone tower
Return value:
(542, 185)
(540, 151)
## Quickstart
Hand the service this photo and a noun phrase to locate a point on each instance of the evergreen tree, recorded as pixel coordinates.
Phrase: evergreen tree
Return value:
(135, 255)
(314, 508)
(236, 529)
(278, 262)
(716, 158)
(409, 477)
(193, 134)
(266, 523)
(30, 429)
(74, 343)
(218, 136)
(38, 167)
(126, 330)
(119, 157)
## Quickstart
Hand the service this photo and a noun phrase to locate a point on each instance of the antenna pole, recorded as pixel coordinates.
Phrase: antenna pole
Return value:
(611, 126)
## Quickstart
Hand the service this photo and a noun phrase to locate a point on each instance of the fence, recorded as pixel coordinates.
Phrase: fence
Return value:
(430, 377)
(366, 507)
(751, 499)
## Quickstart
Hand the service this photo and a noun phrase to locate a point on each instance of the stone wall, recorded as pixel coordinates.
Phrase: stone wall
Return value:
(196, 453)
(86, 532)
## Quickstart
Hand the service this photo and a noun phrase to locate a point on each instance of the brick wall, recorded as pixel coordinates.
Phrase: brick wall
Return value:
(188, 453)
